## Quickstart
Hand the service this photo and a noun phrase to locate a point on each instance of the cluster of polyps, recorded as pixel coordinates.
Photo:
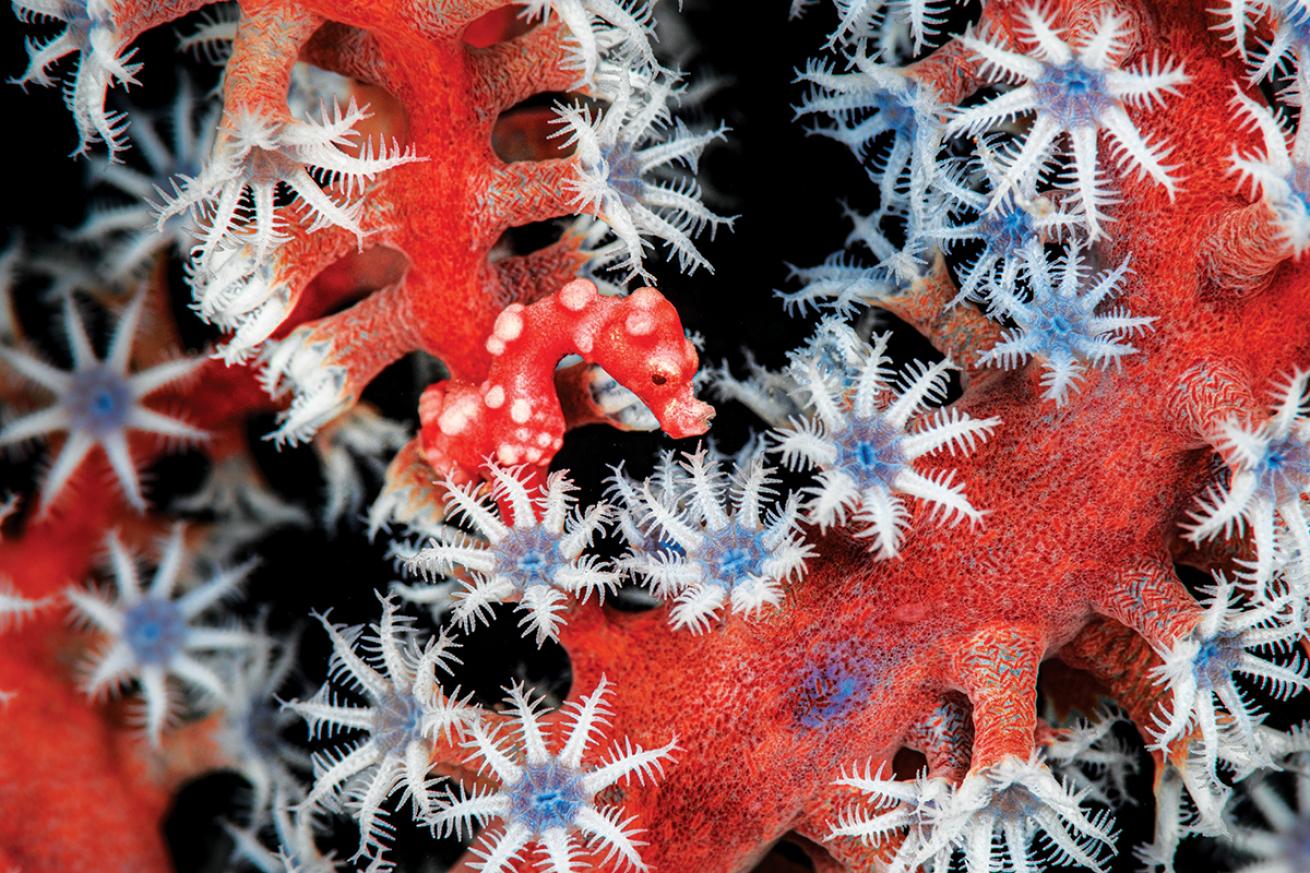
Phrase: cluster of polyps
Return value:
(770, 591)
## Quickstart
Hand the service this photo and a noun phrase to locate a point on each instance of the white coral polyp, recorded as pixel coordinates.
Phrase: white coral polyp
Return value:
(880, 103)
(897, 28)
(993, 819)
(233, 196)
(841, 284)
(535, 558)
(775, 396)
(407, 711)
(1089, 756)
(251, 732)
(1271, 36)
(1064, 321)
(628, 175)
(1012, 229)
(884, 113)
(306, 365)
(1188, 801)
(355, 442)
(1078, 91)
(105, 60)
(908, 811)
(126, 232)
(292, 829)
(718, 543)
(1200, 672)
(544, 792)
(150, 635)
(1281, 176)
(594, 26)
(244, 295)
(97, 402)
(1270, 469)
(862, 440)
(236, 492)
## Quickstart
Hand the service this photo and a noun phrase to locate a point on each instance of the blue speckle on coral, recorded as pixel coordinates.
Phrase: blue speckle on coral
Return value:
(829, 691)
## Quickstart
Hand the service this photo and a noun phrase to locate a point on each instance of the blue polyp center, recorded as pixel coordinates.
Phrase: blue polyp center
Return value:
(397, 720)
(548, 796)
(625, 172)
(732, 554)
(155, 630)
(1298, 198)
(868, 451)
(98, 400)
(654, 544)
(1016, 803)
(1301, 188)
(1073, 94)
(528, 556)
(1285, 470)
(897, 113)
(1217, 660)
(1060, 324)
(1006, 232)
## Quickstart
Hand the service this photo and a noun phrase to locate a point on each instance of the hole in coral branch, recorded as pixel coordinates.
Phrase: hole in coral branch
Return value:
(792, 854)
(526, 131)
(347, 280)
(908, 763)
(527, 238)
(498, 25)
